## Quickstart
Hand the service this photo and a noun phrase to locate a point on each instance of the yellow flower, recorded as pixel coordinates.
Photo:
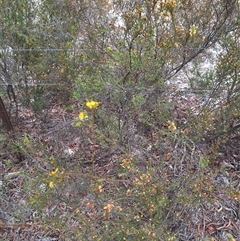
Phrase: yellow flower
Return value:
(193, 30)
(82, 115)
(171, 126)
(100, 189)
(184, 132)
(128, 192)
(53, 173)
(92, 104)
(109, 49)
(109, 207)
(152, 208)
(51, 184)
(166, 13)
(151, 234)
(170, 5)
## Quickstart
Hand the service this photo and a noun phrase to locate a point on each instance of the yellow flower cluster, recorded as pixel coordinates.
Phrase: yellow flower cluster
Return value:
(99, 189)
(143, 179)
(128, 192)
(109, 207)
(51, 184)
(171, 126)
(126, 163)
(53, 173)
(82, 115)
(170, 5)
(92, 104)
(193, 30)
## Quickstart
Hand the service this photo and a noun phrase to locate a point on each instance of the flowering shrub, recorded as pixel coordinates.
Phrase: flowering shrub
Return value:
(135, 164)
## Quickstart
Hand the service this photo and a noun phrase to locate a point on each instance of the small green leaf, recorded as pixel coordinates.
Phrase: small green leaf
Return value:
(203, 163)
(100, 180)
(7, 162)
(26, 140)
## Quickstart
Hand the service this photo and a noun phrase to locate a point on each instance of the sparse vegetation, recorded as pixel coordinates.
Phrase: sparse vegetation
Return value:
(116, 136)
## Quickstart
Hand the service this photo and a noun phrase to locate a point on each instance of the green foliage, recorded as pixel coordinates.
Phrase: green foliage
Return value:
(220, 113)
(203, 163)
(39, 102)
(87, 87)
(202, 82)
